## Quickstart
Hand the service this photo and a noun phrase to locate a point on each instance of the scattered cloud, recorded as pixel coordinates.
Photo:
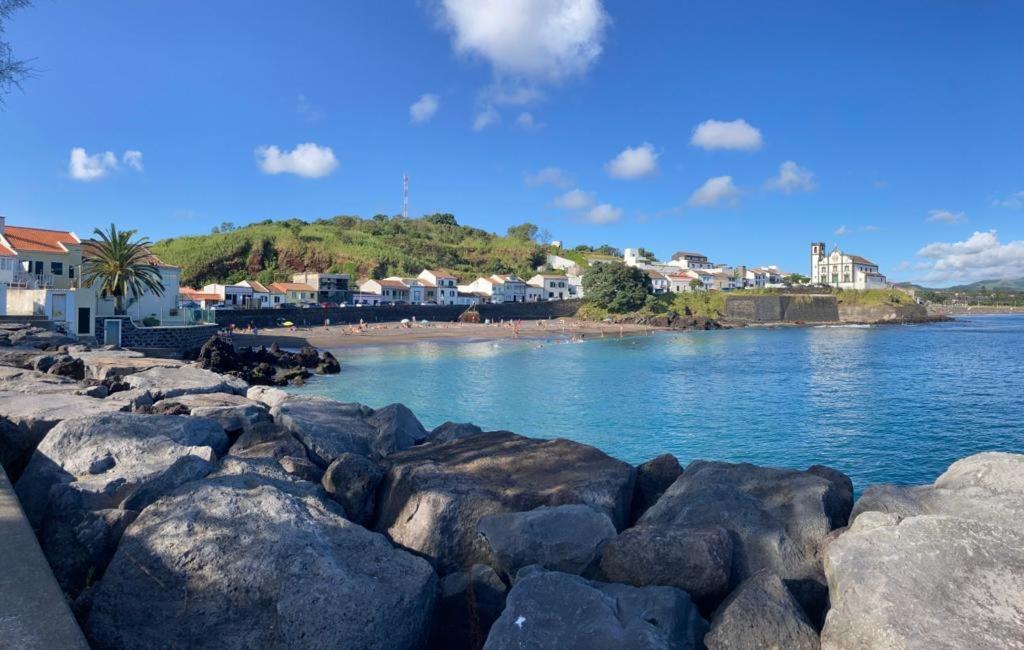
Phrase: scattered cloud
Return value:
(528, 122)
(719, 189)
(575, 200)
(1015, 200)
(307, 110)
(870, 228)
(737, 134)
(86, 167)
(603, 213)
(634, 162)
(792, 178)
(945, 216)
(424, 108)
(133, 159)
(529, 40)
(548, 176)
(308, 160)
(980, 257)
(485, 118)
(841, 230)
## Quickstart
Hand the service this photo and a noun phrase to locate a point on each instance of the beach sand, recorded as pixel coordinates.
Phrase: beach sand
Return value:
(340, 336)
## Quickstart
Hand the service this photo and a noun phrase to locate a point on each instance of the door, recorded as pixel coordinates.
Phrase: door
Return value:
(84, 316)
(59, 307)
(112, 332)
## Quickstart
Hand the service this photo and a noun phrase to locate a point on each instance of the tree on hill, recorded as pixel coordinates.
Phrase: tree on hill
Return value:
(696, 284)
(616, 287)
(523, 232)
(647, 254)
(442, 219)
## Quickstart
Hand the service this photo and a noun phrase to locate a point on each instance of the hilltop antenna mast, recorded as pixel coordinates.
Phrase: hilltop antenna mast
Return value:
(405, 196)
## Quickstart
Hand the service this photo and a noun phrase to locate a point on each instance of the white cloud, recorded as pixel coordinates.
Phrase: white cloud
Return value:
(534, 40)
(714, 191)
(792, 178)
(83, 167)
(309, 160)
(1015, 200)
(548, 176)
(486, 118)
(737, 134)
(604, 213)
(980, 257)
(133, 159)
(841, 230)
(307, 110)
(945, 216)
(527, 122)
(424, 108)
(634, 162)
(575, 200)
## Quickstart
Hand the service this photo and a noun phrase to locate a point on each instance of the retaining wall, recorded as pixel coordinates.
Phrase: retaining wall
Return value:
(882, 313)
(804, 308)
(181, 338)
(378, 314)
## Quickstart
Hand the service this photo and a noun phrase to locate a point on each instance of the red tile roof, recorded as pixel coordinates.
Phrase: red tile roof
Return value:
(196, 294)
(39, 239)
(285, 287)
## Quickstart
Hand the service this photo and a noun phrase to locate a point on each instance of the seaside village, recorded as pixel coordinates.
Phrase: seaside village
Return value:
(40, 276)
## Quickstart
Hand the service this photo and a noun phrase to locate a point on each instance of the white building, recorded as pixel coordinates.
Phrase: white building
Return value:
(553, 287)
(261, 298)
(559, 262)
(444, 284)
(237, 296)
(498, 288)
(843, 270)
(686, 260)
(659, 281)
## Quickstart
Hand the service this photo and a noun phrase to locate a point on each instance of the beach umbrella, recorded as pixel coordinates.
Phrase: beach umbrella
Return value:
(287, 323)
(404, 321)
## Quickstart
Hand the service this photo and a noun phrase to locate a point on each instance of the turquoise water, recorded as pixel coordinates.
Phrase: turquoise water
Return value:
(883, 404)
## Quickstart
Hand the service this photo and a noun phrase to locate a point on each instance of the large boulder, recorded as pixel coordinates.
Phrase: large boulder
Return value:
(227, 565)
(468, 603)
(25, 418)
(761, 613)
(171, 382)
(266, 440)
(27, 380)
(119, 460)
(453, 431)
(696, 559)
(433, 496)
(114, 364)
(352, 481)
(779, 519)
(549, 609)
(328, 429)
(267, 395)
(234, 412)
(652, 479)
(566, 538)
(397, 422)
(933, 566)
(67, 366)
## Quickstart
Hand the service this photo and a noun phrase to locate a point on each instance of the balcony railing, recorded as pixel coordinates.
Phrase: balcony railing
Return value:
(33, 280)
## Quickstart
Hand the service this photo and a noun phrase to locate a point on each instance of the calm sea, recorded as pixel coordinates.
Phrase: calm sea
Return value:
(883, 404)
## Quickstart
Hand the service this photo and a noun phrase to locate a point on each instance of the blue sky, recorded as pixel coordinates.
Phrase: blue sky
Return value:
(892, 128)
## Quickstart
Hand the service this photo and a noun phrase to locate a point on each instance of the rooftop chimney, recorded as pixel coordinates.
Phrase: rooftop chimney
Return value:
(3, 222)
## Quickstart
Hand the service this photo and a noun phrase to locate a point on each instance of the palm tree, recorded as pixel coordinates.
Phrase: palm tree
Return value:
(120, 267)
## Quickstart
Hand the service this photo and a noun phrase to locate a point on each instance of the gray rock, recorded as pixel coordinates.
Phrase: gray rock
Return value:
(468, 604)
(267, 440)
(565, 538)
(225, 566)
(352, 481)
(133, 399)
(79, 547)
(26, 418)
(20, 357)
(267, 395)
(300, 467)
(761, 613)
(33, 382)
(117, 460)
(98, 391)
(652, 479)
(453, 431)
(250, 473)
(696, 559)
(164, 382)
(933, 566)
(66, 366)
(234, 412)
(779, 519)
(549, 609)
(111, 364)
(329, 429)
(433, 495)
(396, 422)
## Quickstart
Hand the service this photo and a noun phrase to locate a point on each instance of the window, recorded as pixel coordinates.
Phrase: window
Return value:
(71, 272)
(57, 268)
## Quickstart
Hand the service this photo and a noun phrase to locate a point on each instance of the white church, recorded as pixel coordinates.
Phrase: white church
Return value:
(843, 270)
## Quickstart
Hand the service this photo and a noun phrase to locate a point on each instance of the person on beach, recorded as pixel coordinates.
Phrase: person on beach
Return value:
(327, 324)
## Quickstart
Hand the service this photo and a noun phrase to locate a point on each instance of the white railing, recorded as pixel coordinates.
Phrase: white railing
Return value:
(33, 280)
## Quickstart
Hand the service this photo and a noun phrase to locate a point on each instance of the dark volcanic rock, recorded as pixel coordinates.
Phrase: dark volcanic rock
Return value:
(652, 479)
(300, 467)
(433, 496)
(266, 440)
(264, 366)
(352, 481)
(548, 609)
(453, 431)
(228, 565)
(396, 422)
(67, 366)
(329, 429)
(468, 604)
(565, 538)
(761, 613)
(696, 559)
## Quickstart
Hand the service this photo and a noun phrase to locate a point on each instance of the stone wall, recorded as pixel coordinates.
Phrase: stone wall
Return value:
(802, 308)
(882, 313)
(181, 339)
(378, 314)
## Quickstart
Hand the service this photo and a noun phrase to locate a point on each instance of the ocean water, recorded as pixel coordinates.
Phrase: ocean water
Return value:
(883, 404)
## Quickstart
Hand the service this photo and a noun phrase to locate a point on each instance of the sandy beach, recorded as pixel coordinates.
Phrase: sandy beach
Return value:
(339, 336)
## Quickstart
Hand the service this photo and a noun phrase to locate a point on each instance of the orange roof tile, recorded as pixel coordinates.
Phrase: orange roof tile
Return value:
(284, 287)
(39, 239)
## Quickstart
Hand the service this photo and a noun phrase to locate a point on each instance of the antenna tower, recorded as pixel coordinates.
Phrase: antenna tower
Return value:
(405, 196)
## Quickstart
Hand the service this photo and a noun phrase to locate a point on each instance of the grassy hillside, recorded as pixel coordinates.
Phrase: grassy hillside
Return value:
(377, 247)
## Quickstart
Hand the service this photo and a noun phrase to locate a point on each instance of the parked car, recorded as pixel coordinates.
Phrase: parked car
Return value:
(222, 307)
(285, 305)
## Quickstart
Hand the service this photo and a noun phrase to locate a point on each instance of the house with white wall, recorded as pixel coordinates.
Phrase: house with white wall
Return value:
(234, 295)
(844, 270)
(690, 261)
(498, 288)
(261, 297)
(659, 281)
(552, 286)
(443, 285)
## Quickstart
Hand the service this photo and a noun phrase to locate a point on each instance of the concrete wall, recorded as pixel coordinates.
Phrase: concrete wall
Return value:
(182, 339)
(782, 308)
(26, 302)
(882, 313)
(437, 313)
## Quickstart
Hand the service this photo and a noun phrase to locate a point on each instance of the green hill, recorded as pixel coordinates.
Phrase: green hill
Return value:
(1006, 284)
(377, 247)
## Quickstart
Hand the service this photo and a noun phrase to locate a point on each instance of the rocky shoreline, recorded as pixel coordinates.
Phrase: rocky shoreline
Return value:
(194, 509)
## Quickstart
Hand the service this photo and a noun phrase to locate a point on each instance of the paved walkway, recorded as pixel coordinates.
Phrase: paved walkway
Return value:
(33, 612)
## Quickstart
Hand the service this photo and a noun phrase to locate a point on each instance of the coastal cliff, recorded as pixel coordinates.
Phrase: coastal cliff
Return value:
(256, 518)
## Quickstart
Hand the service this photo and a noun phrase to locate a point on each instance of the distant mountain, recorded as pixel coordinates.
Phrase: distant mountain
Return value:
(1006, 284)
